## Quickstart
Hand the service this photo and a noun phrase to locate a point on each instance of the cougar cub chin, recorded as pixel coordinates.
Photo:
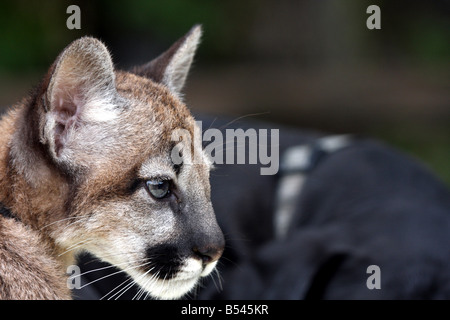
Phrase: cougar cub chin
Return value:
(85, 165)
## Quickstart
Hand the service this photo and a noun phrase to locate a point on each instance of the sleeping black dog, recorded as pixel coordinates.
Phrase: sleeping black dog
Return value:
(344, 218)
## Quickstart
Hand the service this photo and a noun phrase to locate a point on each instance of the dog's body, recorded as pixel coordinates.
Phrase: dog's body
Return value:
(365, 204)
(86, 164)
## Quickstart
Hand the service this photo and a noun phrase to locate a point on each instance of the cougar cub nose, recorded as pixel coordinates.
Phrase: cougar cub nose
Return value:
(209, 250)
(208, 254)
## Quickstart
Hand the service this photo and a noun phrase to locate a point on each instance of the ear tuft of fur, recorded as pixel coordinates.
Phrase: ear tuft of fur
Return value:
(172, 67)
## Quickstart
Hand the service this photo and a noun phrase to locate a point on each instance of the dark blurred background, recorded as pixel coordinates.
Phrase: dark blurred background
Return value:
(309, 64)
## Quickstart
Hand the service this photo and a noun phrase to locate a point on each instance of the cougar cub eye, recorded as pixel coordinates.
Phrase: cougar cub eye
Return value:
(158, 188)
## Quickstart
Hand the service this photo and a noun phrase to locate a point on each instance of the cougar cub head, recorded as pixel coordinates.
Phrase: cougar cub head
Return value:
(109, 134)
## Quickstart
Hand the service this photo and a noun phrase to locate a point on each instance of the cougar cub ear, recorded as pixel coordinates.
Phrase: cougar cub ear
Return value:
(171, 67)
(81, 87)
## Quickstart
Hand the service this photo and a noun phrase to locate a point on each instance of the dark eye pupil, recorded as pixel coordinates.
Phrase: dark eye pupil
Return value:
(158, 189)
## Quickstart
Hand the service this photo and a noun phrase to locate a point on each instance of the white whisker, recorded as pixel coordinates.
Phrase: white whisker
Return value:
(113, 255)
(219, 279)
(147, 284)
(131, 284)
(116, 288)
(126, 286)
(117, 272)
(78, 221)
(108, 267)
(77, 246)
(244, 116)
(155, 276)
(61, 220)
(142, 290)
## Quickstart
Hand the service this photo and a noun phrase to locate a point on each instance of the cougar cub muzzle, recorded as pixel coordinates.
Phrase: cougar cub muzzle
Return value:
(202, 245)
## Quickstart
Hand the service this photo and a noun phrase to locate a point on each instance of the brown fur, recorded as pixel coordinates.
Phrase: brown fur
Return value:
(70, 176)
